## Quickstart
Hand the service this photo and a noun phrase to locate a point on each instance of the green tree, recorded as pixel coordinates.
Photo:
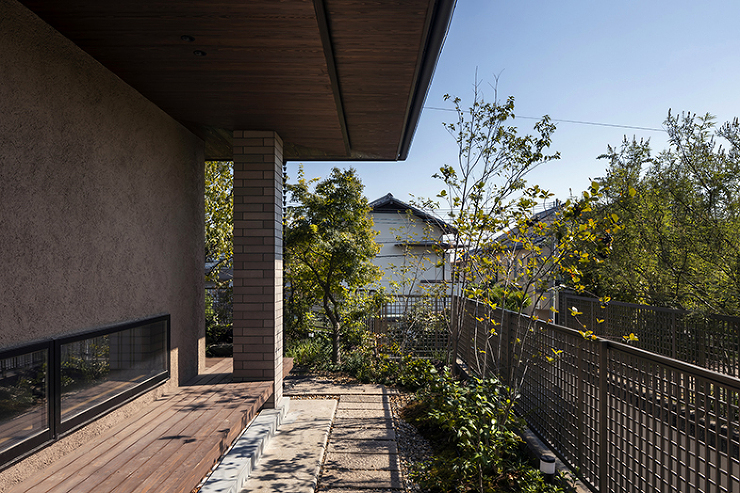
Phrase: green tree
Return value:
(329, 246)
(680, 212)
(219, 215)
(506, 253)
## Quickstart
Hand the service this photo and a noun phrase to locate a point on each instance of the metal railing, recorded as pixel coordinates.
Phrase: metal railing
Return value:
(626, 419)
(414, 324)
(709, 341)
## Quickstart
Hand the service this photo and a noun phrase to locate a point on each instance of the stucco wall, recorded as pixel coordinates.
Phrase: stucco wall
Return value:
(101, 197)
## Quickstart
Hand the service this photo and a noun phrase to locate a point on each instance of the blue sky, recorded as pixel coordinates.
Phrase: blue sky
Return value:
(619, 63)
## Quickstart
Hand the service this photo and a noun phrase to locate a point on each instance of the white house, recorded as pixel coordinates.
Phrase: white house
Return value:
(412, 254)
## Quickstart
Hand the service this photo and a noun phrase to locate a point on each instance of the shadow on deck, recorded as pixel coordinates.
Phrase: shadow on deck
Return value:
(167, 448)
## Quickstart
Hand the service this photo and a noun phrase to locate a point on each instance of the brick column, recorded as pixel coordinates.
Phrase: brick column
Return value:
(258, 258)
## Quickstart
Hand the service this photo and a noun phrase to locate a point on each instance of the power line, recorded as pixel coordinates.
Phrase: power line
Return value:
(579, 122)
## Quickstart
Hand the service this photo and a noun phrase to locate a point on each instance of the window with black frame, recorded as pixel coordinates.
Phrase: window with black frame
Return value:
(106, 366)
(24, 397)
(51, 387)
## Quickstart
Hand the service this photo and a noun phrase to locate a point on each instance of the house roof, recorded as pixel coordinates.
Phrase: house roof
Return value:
(336, 79)
(388, 203)
(548, 215)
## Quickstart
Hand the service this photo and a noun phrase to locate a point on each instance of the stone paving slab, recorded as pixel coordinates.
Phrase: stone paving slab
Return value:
(362, 405)
(368, 462)
(365, 398)
(363, 423)
(361, 453)
(363, 434)
(302, 484)
(363, 446)
(332, 490)
(236, 466)
(314, 387)
(364, 413)
(338, 478)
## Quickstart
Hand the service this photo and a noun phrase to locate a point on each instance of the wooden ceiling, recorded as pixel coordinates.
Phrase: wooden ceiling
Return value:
(337, 79)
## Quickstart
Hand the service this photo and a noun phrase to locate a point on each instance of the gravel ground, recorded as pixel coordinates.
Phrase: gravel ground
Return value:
(412, 447)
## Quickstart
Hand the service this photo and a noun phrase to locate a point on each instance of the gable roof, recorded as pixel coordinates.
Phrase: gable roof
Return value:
(388, 203)
(336, 79)
(548, 216)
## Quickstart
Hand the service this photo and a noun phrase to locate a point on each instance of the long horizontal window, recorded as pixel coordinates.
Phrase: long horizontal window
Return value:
(52, 387)
(24, 397)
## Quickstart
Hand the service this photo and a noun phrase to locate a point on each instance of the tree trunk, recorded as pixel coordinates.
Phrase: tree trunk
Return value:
(335, 322)
(455, 314)
(336, 357)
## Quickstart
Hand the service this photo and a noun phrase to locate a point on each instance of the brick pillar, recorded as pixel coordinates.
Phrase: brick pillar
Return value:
(258, 258)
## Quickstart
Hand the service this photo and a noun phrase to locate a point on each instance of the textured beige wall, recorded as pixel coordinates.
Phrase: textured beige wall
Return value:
(101, 198)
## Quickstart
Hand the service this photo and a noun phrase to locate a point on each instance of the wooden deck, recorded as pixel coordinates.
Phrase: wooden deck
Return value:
(168, 448)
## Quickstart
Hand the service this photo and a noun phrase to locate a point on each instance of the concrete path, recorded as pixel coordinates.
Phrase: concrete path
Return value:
(361, 452)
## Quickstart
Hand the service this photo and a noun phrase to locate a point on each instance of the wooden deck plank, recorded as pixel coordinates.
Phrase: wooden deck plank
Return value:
(206, 440)
(120, 435)
(219, 365)
(61, 469)
(161, 466)
(213, 422)
(134, 452)
(221, 372)
(168, 448)
(238, 421)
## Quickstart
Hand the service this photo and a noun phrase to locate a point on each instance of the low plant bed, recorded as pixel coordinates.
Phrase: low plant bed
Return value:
(472, 430)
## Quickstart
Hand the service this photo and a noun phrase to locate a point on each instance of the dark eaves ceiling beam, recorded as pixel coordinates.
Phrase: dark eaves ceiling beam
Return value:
(331, 68)
(436, 32)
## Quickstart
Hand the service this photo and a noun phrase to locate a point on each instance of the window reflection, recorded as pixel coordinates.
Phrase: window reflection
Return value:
(97, 369)
(23, 397)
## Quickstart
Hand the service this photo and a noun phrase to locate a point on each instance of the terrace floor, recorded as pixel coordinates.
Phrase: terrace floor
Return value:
(169, 448)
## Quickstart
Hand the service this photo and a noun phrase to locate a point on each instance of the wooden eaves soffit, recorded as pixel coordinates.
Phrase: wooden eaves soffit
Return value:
(336, 79)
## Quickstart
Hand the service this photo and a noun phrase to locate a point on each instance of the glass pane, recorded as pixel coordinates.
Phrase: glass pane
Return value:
(24, 407)
(98, 369)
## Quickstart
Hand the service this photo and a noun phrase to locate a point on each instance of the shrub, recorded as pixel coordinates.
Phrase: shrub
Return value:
(417, 373)
(219, 325)
(313, 353)
(474, 430)
(369, 364)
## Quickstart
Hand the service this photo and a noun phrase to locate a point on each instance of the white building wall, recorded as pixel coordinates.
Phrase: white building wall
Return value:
(409, 268)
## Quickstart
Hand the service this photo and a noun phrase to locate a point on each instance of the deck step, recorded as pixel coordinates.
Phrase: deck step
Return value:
(238, 463)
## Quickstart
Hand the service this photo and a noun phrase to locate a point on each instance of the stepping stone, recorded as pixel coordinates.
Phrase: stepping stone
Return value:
(361, 462)
(363, 434)
(292, 461)
(354, 490)
(364, 398)
(363, 446)
(362, 405)
(363, 423)
(364, 413)
(361, 479)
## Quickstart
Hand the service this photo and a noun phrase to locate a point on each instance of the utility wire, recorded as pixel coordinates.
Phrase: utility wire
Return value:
(579, 122)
